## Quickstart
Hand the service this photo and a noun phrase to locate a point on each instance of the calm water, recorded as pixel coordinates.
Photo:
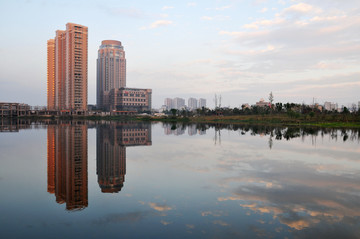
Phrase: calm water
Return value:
(131, 180)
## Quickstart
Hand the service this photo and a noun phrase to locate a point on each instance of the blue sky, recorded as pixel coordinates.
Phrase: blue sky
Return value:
(240, 49)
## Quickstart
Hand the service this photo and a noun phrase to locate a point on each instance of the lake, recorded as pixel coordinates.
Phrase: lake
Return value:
(86, 179)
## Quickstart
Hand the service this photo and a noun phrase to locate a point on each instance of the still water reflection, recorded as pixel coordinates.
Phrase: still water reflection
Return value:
(191, 181)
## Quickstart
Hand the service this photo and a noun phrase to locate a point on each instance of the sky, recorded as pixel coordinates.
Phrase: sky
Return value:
(301, 51)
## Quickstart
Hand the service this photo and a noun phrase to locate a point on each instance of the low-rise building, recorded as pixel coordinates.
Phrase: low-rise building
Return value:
(130, 99)
(13, 109)
(263, 103)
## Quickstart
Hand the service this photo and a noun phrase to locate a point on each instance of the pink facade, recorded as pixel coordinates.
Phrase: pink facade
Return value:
(70, 69)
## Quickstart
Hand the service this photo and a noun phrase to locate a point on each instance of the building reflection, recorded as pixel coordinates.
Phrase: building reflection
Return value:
(67, 164)
(112, 138)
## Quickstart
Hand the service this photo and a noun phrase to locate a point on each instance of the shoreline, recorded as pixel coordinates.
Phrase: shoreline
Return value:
(328, 121)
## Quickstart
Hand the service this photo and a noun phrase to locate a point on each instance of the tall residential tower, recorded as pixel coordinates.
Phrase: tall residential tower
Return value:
(51, 74)
(111, 71)
(70, 69)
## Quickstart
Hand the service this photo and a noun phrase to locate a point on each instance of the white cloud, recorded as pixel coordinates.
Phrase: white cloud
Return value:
(206, 18)
(222, 8)
(264, 10)
(160, 23)
(302, 8)
(192, 4)
(167, 7)
(259, 23)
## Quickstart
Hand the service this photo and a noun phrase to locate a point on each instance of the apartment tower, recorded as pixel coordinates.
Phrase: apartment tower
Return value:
(51, 74)
(70, 69)
(111, 71)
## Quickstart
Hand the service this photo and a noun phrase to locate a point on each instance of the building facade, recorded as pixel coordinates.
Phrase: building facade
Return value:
(111, 71)
(202, 103)
(130, 99)
(178, 103)
(69, 56)
(13, 109)
(51, 74)
(192, 103)
(168, 103)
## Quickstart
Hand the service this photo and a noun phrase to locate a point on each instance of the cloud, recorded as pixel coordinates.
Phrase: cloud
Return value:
(127, 12)
(213, 213)
(160, 208)
(221, 223)
(160, 23)
(192, 4)
(206, 18)
(190, 226)
(165, 223)
(123, 217)
(167, 7)
(302, 8)
(222, 8)
(264, 10)
(264, 23)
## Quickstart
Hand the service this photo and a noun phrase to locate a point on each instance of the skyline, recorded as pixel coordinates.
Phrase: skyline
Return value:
(240, 49)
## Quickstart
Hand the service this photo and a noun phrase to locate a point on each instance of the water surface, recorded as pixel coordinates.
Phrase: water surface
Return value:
(136, 180)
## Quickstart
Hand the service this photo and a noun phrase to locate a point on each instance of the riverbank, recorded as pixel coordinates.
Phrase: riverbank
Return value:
(322, 120)
(340, 121)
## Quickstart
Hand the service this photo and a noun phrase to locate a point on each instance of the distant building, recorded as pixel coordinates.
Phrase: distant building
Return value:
(262, 103)
(330, 106)
(179, 103)
(67, 69)
(192, 103)
(168, 103)
(130, 99)
(245, 106)
(111, 71)
(13, 109)
(202, 103)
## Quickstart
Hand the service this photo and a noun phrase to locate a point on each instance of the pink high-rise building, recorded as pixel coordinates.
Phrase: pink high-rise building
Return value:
(51, 74)
(70, 67)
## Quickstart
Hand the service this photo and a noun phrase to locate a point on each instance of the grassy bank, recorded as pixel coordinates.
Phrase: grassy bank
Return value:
(339, 121)
(323, 120)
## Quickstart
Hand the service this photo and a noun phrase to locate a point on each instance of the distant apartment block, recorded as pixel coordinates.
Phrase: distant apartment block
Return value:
(202, 103)
(178, 103)
(192, 103)
(130, 99)
(168, 103)
(330, 106)
(111, 71)
(67, 69)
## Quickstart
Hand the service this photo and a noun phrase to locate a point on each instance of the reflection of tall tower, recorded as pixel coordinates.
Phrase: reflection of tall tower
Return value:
(111, 160)
(67, 151)
(51, 159)
(111, 142)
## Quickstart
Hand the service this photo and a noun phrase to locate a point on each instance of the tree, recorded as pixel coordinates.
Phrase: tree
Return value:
(173, 111)
(271, 98)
